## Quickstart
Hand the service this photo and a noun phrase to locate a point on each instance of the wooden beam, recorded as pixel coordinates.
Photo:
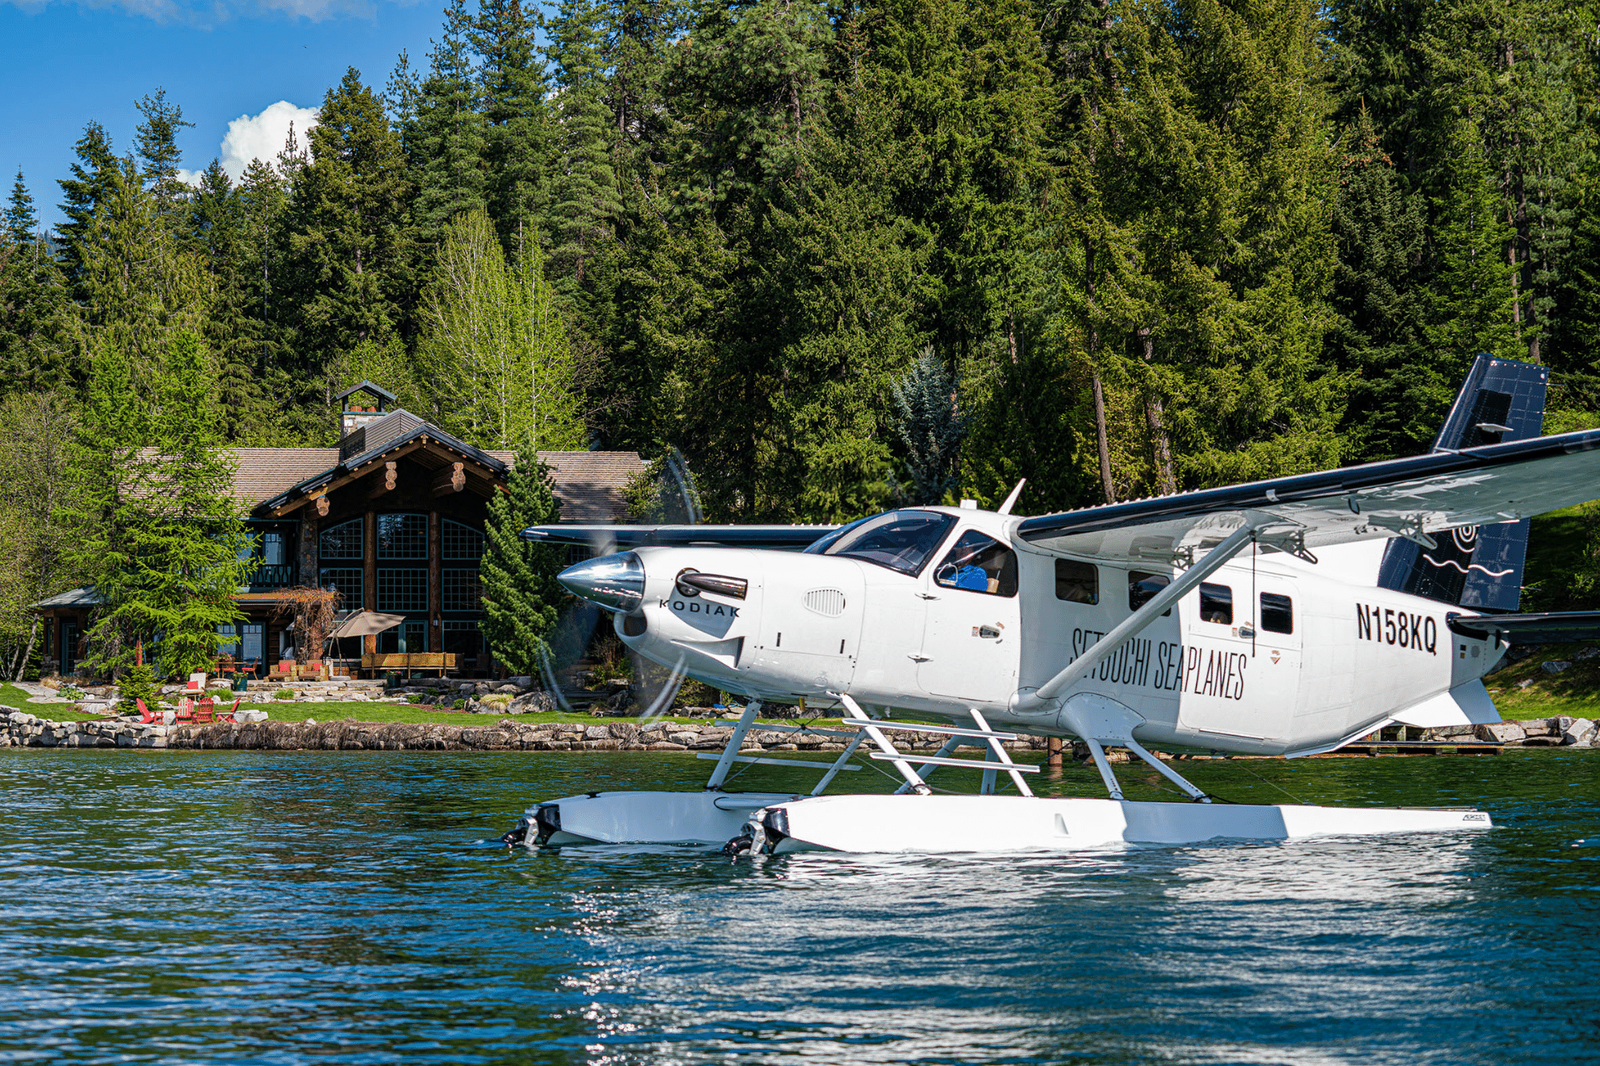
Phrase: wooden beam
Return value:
(344, 479)
(452, 478)
(386, 483)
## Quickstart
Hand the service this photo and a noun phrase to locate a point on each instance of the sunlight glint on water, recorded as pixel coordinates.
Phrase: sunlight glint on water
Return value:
(355, 907)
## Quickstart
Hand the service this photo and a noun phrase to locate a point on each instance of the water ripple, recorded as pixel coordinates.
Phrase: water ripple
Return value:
(277, 908)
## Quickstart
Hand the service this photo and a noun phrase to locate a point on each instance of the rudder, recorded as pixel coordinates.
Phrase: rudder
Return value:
(1477, 567)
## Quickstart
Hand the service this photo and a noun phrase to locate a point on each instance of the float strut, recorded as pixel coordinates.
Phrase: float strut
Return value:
(1104, 767)
(838, 764)
(998, 753)
(919, 786)
(1166, 771)
(724, 764)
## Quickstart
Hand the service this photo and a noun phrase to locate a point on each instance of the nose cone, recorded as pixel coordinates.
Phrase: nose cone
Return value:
(615, 582)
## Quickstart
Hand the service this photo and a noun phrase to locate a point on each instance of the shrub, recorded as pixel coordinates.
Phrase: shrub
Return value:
(139, 683)
(283, 694)
(415, 697)
(458, 704)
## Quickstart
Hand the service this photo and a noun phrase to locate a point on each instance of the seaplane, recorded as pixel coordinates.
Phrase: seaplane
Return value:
(1284, 617)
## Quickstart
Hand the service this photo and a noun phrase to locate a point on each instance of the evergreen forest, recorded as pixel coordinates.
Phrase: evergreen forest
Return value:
(844, 255)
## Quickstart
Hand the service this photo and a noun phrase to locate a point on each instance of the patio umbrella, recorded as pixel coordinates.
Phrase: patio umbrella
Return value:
(365, 623)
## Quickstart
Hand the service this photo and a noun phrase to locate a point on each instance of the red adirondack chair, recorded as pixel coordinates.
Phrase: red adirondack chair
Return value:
(205, 711)
(146, 715)
(227, 715)
(185, 710)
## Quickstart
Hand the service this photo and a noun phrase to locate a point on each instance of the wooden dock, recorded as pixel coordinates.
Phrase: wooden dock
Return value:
(1417, 747)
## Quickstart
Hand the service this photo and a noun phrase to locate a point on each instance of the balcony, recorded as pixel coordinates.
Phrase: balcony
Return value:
(272, 576)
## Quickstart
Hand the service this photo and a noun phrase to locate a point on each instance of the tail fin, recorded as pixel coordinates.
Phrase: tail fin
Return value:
(1477, 567)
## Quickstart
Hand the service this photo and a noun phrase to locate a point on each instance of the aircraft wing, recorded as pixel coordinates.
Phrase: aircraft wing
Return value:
(621, 538)
(1485, 485)
(1556, 628)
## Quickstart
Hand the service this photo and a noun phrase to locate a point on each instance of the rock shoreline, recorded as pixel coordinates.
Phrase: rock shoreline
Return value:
(20, 729)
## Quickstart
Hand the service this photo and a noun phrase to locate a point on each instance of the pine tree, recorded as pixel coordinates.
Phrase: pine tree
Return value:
(520, 592)
(162, 535)
(584, 201)
(33, 302)
(929, 422)
(447, 141)
(21, 220)
(1380, 336)
(517, 137)
(190, 549)
(93, 177)
(108, 465)
(346, 260)
(138, 286)
(156, 143)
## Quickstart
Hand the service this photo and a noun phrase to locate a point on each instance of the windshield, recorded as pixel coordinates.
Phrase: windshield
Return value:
(900, 540)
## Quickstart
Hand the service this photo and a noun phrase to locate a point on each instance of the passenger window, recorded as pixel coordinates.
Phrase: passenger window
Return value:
(1277, 613)
(1216, 603)
(979, 563)
(1142, 588)
(1077, 582)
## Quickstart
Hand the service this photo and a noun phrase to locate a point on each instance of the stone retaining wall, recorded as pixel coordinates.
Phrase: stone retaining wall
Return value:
(19, 729)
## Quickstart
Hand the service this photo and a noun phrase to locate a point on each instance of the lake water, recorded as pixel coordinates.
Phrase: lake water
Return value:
(247, 907)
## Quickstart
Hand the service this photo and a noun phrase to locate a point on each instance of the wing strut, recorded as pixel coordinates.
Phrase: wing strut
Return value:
(1144, 616)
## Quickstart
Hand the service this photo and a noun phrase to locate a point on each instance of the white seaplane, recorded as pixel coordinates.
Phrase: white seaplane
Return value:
(1284, 617)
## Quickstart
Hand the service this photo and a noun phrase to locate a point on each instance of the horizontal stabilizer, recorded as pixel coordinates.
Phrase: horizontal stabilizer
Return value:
(1531, 628)
(621, 538)
(1467, 704)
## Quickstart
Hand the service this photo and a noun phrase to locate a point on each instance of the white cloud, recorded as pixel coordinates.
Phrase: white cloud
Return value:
(262, 136)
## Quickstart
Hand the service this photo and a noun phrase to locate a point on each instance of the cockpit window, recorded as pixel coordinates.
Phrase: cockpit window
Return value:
(980, 563)
(900, 540)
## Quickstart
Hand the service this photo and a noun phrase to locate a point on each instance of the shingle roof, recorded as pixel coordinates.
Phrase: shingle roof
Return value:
(590, 484)
(265, 472)
(79, 597)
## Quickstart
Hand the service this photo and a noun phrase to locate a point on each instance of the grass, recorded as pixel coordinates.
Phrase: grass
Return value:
(358, 711)
(1575, 691)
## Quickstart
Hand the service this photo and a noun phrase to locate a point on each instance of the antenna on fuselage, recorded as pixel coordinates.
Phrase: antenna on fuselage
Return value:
(1011, 500)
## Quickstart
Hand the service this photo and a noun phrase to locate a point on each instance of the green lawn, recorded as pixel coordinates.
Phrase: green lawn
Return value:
(1575, 691)
(288, 711)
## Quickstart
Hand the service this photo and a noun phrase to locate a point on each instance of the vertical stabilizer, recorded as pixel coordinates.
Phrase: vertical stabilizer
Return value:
(1476, 566)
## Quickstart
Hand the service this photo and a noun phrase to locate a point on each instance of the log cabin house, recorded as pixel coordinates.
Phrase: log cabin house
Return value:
(392, 518)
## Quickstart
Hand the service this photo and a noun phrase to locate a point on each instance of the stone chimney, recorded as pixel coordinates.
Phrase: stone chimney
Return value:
(361, 404)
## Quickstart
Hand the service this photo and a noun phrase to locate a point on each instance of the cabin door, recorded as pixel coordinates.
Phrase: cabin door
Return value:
(972, 632)
(1241, 658)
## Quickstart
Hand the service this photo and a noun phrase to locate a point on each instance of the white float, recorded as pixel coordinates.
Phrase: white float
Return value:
(646, 817)
(933, 824)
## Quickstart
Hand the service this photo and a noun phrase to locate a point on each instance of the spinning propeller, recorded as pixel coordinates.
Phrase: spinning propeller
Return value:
(574, 633)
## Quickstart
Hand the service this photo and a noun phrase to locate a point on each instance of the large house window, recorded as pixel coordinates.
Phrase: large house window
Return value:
(348, 581)
(462, 590)
(402, 536)
(342, 541)
(460, 541)
(402, 591)
(462, 638)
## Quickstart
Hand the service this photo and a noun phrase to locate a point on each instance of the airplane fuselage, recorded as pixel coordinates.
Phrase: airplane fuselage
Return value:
(1270, 655)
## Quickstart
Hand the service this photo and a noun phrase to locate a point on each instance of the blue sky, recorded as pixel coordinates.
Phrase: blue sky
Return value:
(62, 64)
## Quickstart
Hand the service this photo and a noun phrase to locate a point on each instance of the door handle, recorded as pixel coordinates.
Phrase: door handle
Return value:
(987, 632)
(918, 657)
